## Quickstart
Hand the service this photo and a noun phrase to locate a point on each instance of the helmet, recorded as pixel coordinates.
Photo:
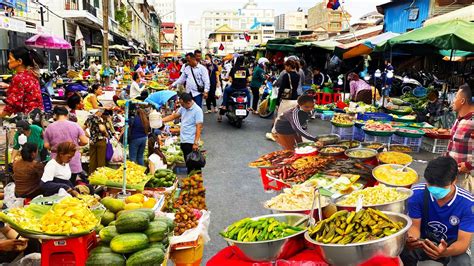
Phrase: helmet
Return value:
(263, 60)
(292, 57)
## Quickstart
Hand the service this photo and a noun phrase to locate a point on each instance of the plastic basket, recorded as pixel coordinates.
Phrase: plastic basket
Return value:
(437, 146)
(378, 133)
(346, 133)
(375, 117)
(381, 139)
(270, 183)
(358, 134)
(327, 117)
(413, 143)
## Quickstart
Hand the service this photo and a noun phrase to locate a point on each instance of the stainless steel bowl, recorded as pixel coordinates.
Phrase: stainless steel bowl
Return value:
(399, 206)
(272, 250)
(321, 151)
(354, 254)
(350, 144)
(328, 139)
(395, 166)
(380, 149)
(374, 153)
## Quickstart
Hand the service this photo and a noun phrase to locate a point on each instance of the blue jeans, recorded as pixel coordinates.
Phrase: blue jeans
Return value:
(228, 91)
(137, 149)
(198, 100)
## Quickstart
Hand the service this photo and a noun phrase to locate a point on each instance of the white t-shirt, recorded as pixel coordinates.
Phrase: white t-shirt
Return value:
(55, 170)
(135, 90)
(157, 161)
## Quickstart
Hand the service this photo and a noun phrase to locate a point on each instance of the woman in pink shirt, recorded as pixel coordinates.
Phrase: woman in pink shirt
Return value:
(63, 130)
(359, 89)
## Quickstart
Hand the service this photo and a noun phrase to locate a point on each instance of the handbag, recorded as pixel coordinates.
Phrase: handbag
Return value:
(287, 92)
(467, 183)
(109, 151)
(199, 87)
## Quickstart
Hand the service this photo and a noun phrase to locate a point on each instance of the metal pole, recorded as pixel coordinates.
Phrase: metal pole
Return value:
(42, 16)
(105, 45)
(125, 140)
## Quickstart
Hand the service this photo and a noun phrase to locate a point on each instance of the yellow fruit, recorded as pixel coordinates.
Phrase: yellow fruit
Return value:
(150, 203)
(137, 198)
(133, 206)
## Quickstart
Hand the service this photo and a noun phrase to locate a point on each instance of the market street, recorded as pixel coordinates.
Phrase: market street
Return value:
(234, 191)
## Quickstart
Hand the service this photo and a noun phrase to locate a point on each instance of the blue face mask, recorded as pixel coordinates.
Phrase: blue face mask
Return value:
(439, 192)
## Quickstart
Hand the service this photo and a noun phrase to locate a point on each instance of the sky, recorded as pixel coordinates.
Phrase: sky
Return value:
(187, 10)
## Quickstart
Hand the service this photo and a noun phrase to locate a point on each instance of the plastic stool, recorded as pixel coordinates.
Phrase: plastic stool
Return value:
(337, 97)
(327, 98)
(319, 98)
(67, 252)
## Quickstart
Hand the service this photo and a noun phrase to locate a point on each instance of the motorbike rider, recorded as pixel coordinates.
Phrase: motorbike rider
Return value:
(239, 77)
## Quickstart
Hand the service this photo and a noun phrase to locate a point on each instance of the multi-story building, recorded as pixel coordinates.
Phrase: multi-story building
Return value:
(225, 40)
(297, 20)
(248, 18)
(179, 37)
(193, 36)
(333, 21)
(404, 15)
(166, 10)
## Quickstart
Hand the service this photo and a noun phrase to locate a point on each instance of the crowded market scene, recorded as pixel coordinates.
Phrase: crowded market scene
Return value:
(166, 132)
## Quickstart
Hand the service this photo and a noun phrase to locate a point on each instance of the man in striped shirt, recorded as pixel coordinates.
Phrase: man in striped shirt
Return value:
(461, 145)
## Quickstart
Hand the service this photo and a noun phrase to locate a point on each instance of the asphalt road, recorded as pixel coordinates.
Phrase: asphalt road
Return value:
(234, 191)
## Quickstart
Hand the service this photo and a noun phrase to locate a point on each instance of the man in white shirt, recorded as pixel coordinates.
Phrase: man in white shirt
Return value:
(94, 68)
(196, 78)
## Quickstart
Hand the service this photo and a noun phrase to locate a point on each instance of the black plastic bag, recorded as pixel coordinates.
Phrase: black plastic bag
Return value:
(196, 159)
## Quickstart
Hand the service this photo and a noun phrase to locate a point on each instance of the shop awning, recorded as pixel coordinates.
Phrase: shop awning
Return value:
(465, 13)
(363, 47)
(120, 47)
(451, 35)
(282, 45)
(326, 44)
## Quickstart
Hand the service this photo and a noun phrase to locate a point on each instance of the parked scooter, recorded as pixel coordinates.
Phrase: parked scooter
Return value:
(236, 110)
(267, 105)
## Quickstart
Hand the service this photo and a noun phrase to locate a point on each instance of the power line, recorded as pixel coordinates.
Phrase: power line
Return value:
(49, 10)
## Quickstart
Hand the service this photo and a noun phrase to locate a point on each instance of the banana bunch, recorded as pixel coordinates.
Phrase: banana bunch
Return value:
(248, 230)
(345, 227)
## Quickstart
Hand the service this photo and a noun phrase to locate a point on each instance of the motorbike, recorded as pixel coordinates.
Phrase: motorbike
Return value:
(268, 101)
(236, 110)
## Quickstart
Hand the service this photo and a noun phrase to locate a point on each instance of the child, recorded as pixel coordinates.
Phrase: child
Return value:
(157, 159)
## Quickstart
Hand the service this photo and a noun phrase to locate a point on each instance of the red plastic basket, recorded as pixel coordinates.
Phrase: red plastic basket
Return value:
(271, 183)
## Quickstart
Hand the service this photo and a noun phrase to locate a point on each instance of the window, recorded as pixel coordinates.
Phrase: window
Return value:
(255, 37)
(229, 37)
(335, 26)
(222, 38)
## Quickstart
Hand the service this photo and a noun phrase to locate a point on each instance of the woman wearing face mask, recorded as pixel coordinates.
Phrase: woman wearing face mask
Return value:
(174, 70)
(23, 93)
(292, 124)
(57, 173)
(213, 77)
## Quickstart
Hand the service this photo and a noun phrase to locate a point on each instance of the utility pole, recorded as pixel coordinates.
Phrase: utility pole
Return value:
(42, 15)
(105, 45)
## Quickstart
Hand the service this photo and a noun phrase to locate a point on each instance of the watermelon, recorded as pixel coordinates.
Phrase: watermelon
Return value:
(105, 259)
(129, 243)
(157, 231)
(108, 233)
(136, 221)
(149, 256)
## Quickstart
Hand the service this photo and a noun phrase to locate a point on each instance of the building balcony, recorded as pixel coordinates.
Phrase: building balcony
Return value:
(82, 11)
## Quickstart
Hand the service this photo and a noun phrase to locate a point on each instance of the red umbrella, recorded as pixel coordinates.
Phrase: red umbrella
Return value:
(47, 41)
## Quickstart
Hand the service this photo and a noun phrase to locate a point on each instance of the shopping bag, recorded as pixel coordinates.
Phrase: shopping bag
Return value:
(109, 151)
(218, 92)
(467, 183)
(196, 159)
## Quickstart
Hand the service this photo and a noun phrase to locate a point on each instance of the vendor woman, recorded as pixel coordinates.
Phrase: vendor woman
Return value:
(290, 127)
(23, 93)
(443, 218)
(27, 172)
(57, 173)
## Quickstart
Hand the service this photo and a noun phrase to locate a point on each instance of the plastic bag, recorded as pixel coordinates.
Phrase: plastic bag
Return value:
(109, 152)
(218, 92)
(196, 159)
(193, 234)
(118, 151)
(10, 200)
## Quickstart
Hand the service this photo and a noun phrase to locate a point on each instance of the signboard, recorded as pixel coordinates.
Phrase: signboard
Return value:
(12, 24)
(21, 8)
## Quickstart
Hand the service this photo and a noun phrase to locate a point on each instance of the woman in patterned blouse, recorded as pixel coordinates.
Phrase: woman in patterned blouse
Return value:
(23, 93)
